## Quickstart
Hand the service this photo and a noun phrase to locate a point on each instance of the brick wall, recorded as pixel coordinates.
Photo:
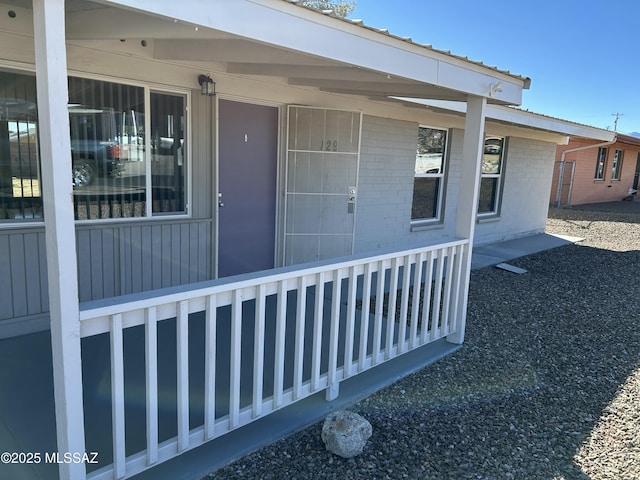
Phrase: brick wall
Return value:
(585, 188)
(385, 189)
(527, 183)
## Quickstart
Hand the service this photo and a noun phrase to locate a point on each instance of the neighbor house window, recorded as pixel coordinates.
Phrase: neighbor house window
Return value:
(492, 172)
(20, 194)
(428, 182)
(118, 170)
(601, 163)
(617, 165)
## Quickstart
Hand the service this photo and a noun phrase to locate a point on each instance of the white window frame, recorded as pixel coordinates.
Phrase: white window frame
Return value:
(148, 89)
(416, 223)
(495, 213)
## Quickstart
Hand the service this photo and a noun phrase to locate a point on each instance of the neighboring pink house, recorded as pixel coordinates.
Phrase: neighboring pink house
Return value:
(588, 171)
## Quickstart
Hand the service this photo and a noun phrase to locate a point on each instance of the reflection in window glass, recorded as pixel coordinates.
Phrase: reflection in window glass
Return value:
(167, 153)
(490, 183)
(429, 174)
(616, 167)
(20, 195)
(601, 163)
(107, 149)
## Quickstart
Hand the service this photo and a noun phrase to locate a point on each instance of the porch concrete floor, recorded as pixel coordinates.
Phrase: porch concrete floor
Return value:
(27, 418)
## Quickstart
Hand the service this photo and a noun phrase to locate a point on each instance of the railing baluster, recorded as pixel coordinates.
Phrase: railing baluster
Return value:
(117, 396)
(211, 316)
(447, 291)
(404, 304)
(151, 361)
(364, 316)
(281, 331)
(182, 339)
(377, 329)
(236, 359)
(351, 322)
(258, 351)
(391, 311)
(301, 313)
(317, 333)
(332, 374)
(415, 304)
(435, 326)
(427, 323)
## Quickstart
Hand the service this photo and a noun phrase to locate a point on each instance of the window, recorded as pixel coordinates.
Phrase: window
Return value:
(491, 181)
(601, 163)
(616, 167)
(118, 171)
(20, 196)
(167, 154)
(113, 177)
(428, 182)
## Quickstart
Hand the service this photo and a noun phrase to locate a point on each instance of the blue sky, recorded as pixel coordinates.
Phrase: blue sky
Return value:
(583, 56)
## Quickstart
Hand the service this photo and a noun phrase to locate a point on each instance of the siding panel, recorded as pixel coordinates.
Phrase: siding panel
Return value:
(95, 260)
(42, 260)
(156, 256)
(185, 257)
(18, 275)
(83, 247)
(146, 253)
(32, 273)
(126, 259)
(112, 260)
(6, 299)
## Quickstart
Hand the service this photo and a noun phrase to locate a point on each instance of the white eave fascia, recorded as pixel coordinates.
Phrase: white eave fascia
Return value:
(315, 34)
(541, 122)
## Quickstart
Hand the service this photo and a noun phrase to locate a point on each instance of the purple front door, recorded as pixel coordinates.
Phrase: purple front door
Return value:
(248, 149)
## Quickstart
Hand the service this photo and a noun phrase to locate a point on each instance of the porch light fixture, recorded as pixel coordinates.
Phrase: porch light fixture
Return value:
(207, 85)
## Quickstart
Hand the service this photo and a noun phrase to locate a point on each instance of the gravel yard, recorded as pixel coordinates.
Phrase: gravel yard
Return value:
(546, 386)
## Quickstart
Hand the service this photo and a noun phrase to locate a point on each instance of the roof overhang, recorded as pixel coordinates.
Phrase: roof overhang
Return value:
(277, 38)
(628, 140)
(522, 118)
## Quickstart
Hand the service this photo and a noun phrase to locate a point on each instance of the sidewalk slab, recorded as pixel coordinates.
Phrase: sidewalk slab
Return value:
(499, 252)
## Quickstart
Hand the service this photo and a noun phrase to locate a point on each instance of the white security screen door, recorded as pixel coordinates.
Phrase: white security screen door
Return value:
(323, 151)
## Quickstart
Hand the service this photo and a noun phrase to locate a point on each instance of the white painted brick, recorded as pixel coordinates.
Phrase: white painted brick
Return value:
(386, 188)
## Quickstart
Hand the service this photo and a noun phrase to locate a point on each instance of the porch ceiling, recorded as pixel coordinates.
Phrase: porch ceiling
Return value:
(306, 49)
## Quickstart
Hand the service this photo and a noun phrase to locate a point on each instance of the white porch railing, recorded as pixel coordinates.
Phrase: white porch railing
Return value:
(311, 329)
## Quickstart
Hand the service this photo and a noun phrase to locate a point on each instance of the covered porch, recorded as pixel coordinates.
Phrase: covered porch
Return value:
(142, 379)
(166, 374)
(27, 417)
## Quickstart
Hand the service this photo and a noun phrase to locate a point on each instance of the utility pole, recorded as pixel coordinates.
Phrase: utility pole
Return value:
(615, 122)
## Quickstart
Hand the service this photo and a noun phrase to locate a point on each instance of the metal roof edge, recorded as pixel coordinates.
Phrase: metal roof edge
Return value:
(383, 31)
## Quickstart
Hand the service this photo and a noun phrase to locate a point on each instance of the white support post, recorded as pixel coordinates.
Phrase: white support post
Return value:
(472, 150)
(55, 154)
(55, 150)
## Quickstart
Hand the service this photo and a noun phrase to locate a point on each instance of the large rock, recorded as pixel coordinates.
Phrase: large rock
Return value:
(345, 433)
